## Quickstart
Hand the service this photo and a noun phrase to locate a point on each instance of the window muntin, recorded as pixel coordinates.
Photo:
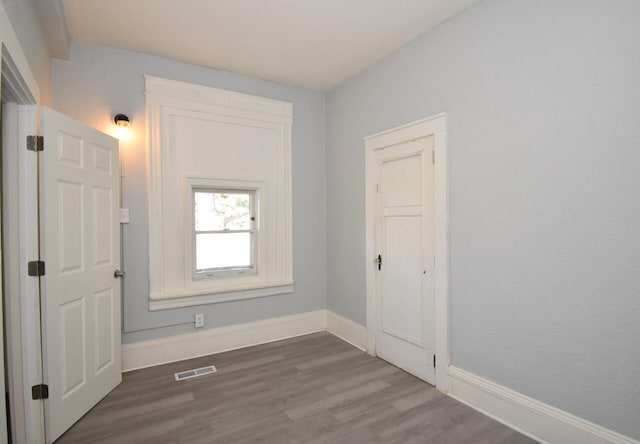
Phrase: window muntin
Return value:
(224, 231)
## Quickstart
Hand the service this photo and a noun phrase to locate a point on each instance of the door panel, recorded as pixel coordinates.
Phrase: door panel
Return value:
(80, 241)
(402, 180)
(103, 319)
(72, 318)
(102, 219)
(405, 285)
(70, 226)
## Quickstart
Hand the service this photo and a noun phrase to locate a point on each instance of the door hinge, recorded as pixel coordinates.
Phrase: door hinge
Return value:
(35, 143)
(433, 157)
(40, 391)
(379, 262)
(35, 268)
(434, 361)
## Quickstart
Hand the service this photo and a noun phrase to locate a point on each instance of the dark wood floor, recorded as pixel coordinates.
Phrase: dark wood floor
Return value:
(310, 389)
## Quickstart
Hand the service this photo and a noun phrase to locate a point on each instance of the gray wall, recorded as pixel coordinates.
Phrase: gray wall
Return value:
(97, 82)
(26, 24)
(543, 101)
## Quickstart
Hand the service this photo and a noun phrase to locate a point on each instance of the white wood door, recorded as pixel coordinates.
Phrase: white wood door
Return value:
(80, 244)
(405, 326)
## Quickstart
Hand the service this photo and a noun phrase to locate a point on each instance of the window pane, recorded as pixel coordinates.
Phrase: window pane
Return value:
(222, 250)
(216, 211)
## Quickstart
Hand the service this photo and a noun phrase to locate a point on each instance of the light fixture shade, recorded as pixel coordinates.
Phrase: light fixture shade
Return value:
(121, 120)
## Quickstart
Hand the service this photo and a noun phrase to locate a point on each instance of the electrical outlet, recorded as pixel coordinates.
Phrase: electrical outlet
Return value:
(199, 320)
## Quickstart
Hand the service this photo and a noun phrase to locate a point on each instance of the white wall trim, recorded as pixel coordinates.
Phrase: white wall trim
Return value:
(529, 416)
(216, 340)
(154, 352)
(171, 278)
(214, 99)
(27, 190)
(347, 330)
(11, 243)
(435, 126)
(201, 297)
(21, 88)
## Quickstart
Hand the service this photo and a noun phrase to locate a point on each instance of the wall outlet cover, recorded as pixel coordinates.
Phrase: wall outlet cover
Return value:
(124, 215)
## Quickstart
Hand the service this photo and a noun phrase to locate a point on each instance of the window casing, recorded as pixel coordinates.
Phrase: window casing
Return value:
(207, 138)
(225, 232)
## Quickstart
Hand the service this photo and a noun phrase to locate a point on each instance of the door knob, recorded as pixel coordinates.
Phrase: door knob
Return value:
(118, 274)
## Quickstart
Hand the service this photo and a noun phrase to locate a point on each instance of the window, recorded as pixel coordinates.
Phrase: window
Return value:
(224, 232)
(220, 225)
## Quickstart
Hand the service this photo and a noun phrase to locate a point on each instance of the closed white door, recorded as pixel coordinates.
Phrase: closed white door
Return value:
(405, 327)
(80, 245)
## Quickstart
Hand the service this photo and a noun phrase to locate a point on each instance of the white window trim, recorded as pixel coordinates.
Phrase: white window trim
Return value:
(167, 98)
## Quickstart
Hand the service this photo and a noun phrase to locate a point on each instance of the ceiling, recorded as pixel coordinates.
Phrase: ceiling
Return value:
(314, 44)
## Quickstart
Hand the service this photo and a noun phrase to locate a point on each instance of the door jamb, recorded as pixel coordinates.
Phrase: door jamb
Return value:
(435, 126)
(23, 91)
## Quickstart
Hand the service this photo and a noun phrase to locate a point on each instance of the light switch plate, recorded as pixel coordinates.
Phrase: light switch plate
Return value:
(124, 215)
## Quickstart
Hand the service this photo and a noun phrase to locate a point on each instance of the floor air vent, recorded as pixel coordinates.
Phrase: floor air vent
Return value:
(188, 374)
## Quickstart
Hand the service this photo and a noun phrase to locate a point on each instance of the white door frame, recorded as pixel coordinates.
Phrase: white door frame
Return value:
(23, 339)
(21, 246)
(435, 126)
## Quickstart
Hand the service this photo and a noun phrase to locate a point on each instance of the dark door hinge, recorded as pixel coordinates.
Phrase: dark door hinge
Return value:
(35, 143)
(434, 361)
(35, 268)
(40, 391)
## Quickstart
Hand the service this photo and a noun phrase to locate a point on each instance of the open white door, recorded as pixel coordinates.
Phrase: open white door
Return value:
(80, 245)
(405, 327)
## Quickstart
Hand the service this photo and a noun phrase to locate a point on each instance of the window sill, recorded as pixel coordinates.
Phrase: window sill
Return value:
(202, 296)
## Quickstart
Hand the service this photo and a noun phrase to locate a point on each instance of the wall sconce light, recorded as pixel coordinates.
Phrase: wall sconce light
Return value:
(121, 120)
(122, 123)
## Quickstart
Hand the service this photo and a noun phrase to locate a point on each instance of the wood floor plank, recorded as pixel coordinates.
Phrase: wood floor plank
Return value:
(335, 400)
(313, 389)
(329, 360)
(415, 399)
(116, 414)
(362, 377)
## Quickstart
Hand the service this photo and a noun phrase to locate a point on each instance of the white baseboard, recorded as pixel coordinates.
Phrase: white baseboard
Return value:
(533, 418)
(347, 330)
(192, 345)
